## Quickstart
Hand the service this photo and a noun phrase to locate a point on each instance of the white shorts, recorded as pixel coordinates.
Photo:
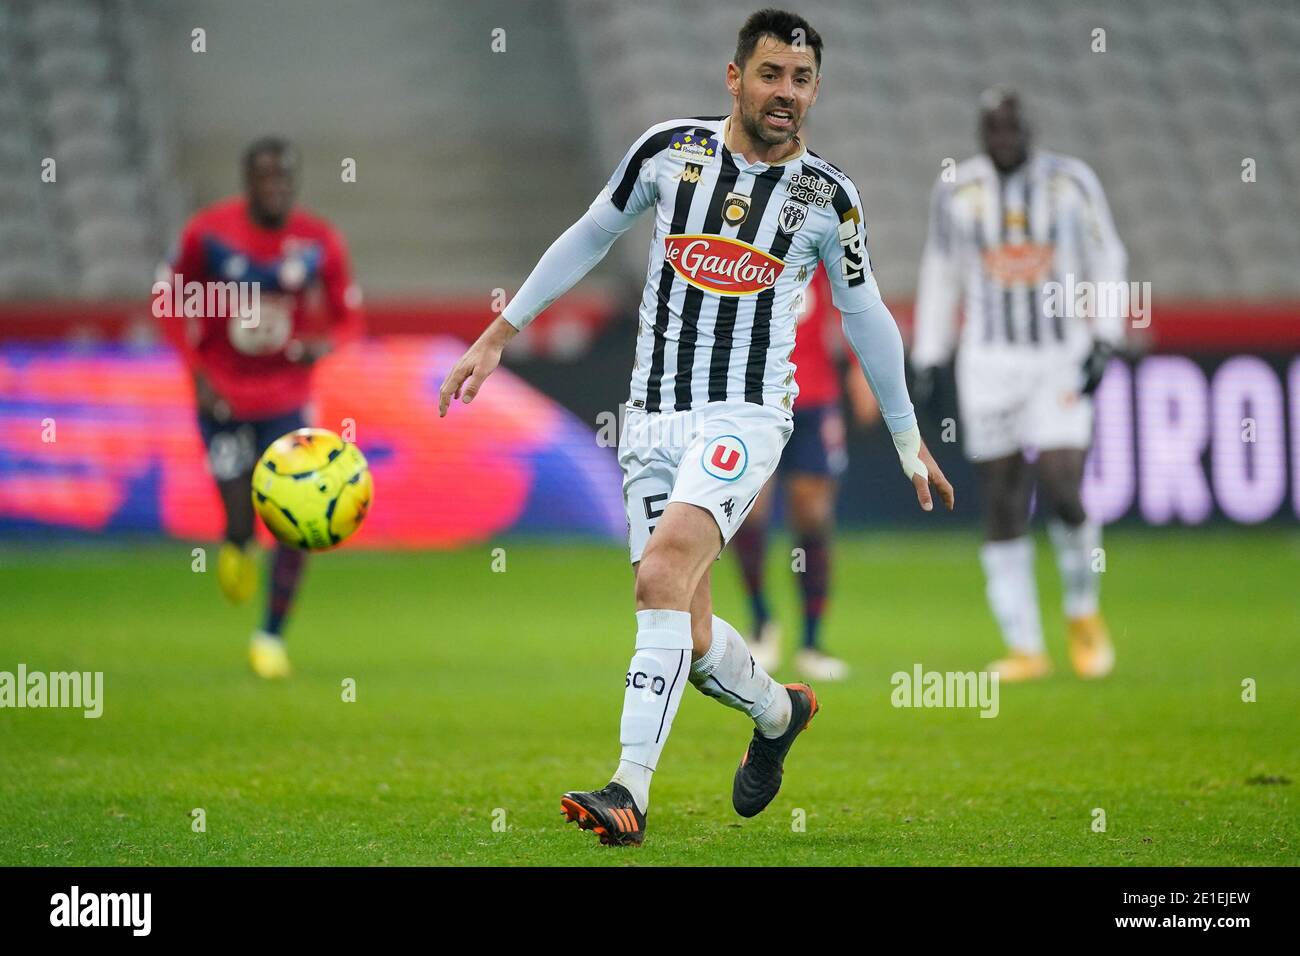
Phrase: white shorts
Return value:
(1012, 402)
(718, 457)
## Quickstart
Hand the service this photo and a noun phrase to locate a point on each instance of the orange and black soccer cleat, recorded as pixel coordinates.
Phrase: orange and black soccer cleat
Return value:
(758, 778)
(611, 813)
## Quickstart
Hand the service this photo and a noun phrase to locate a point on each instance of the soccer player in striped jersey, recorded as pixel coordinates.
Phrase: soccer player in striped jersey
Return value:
(1016, 231)
(744, 212)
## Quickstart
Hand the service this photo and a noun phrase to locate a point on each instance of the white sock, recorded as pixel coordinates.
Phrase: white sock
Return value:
(1013, 593)
(1080, 584)
(729, 675)
(637, 780)
(653, 689)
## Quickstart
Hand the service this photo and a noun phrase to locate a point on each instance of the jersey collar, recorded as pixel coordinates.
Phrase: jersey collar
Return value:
(740, 160)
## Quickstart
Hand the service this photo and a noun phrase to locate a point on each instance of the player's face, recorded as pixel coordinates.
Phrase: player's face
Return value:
(271, 186)
(775, 90)
(1004, 136)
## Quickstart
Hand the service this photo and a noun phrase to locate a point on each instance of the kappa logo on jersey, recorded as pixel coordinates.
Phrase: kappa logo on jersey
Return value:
(725, 457)
(722, 265)
(691, 173)
(694, 148)
(728, 507)
(735, 209)
(792, 217)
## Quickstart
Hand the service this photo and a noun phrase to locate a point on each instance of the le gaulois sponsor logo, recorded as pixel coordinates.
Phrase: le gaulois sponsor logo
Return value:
(722, 265)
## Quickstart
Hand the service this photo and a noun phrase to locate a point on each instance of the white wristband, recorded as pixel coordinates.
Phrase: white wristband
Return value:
(908, 443)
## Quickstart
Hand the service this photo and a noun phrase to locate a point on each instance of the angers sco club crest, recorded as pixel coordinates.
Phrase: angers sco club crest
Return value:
(792, 217)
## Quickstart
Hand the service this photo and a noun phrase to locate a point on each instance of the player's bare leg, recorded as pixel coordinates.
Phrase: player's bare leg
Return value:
(1077, 542)
(725, 669)
(1008, 559)
(750, 545)
(812, 515)
(671, 584)
(702, 617)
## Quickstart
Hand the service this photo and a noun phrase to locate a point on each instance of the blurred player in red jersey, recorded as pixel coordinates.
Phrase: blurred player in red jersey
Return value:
(814, 459)
(252, 375)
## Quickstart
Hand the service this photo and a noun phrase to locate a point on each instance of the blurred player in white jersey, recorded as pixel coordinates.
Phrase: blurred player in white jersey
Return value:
(1027, 236)
(744, 212)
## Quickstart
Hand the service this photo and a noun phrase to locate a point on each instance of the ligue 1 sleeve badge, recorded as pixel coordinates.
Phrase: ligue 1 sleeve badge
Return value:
(695, 147)
(725, 458)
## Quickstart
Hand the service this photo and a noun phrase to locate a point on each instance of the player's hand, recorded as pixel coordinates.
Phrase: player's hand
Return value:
(478, 362)
(935, 477)
(921, 468)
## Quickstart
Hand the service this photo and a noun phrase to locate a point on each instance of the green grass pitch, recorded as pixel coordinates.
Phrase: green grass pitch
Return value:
(482, 696)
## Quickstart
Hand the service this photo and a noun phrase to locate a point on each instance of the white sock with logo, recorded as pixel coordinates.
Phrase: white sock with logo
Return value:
(1080, 584)
(729, 675)
(652, 692)
(1013, 593)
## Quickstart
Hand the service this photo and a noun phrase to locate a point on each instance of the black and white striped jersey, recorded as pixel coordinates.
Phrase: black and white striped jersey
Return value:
(735, 246)
(1022, 248)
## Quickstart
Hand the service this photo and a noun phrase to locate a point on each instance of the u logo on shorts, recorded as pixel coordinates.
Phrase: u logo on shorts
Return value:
(725, 457)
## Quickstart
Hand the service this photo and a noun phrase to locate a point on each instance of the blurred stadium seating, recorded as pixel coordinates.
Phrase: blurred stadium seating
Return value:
(471, 158)
(143, 127)
(1166, 115)
(82, 86)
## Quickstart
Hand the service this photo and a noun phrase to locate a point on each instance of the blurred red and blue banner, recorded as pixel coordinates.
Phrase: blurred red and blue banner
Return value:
(103, 440)
(100, 439)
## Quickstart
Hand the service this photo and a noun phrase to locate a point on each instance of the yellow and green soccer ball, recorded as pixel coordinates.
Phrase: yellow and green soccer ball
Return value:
(312, 489)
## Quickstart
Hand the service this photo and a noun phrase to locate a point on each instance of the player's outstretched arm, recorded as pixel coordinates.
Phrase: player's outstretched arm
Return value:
(568, 259)
(478, 362)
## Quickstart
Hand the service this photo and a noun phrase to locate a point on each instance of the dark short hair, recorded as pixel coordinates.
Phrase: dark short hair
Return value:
(275, 145)
(778, 24)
